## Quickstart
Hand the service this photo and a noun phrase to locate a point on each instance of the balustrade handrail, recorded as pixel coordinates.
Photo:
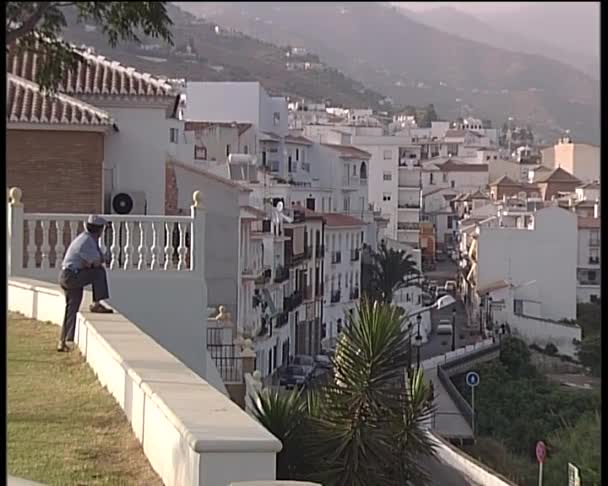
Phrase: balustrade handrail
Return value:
(108, 217)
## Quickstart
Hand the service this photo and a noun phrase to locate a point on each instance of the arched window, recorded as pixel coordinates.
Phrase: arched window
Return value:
(363, 171)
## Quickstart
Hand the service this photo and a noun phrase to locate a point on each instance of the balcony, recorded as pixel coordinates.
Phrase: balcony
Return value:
(281, 274)
(408, 226)
(335, 296)
(354, 255)
(292, 260)
(320, 251)
(354, 294)
(594, 260)
(594, 243)
(282, 319)
(408, 206)
(586, 281)
(293, 301)
(308, 294)
(264, 277)
(336, 257)
(320, 289)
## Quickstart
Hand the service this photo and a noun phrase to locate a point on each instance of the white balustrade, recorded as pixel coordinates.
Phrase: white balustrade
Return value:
(135, 242)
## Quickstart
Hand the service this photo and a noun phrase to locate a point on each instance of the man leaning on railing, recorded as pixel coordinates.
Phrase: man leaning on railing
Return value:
(82, 266)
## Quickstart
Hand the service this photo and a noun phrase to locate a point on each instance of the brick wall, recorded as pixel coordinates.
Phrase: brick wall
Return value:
(58, 171)
(171, 206)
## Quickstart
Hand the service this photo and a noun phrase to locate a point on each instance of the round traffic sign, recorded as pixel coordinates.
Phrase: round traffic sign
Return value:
(472, 378)
(541, 451)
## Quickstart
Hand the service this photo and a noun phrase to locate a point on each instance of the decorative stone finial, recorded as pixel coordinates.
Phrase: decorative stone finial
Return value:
(15, 195)
(247, 344)
(222, 314)
(257, 376)
(197, 199)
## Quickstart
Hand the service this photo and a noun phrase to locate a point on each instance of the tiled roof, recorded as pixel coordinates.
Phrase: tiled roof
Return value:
(453, 166)
(500, 284)
(557, 175)
(588, 222)
(298, 139)
(504, 181)
(217, 178)
(348, 151)
(201, 125)
(338, 220)
(97, 76)
(590, 185)
(269, 136)
(26, 104)
(454, 134)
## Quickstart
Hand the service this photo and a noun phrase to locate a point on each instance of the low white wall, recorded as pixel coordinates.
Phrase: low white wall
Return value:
(541, 332)
(457, 353)
(191, 433)
(469, 468)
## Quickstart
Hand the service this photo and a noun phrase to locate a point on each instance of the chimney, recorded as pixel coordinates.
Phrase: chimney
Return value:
(596, 209)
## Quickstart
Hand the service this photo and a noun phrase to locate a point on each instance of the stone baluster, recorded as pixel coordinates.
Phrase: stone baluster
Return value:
(143, 246)
(31, 244)
(155, 264)
(128, 245)
(114, 249)
(60, 244)
(45, 228)
(169, 246)
(15, 232)
(181, 249)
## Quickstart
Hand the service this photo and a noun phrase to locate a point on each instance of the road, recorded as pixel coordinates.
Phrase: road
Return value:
(464, 334)
(444, 475)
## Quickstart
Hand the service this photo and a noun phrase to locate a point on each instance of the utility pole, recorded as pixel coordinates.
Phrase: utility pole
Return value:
(453, 329)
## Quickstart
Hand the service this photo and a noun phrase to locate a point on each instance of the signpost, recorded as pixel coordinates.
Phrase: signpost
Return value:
(574, 478)
(472, 380)
(541, 453)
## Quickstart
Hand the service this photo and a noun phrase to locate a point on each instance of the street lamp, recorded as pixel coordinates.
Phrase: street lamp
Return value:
(453, 329)
(480, 318)
(502, 331)
(418, 341)
(489, 317)
(409, 359)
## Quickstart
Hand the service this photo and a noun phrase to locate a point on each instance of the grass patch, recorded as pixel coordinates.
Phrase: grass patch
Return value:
(64, 428)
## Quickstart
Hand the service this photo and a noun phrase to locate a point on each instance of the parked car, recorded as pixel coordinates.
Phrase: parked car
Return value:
(432, 287)
(441, 291)
(450, 286)
(323, 361)
(305, 361)
(294, 377)
(427, 299)
(444, 328)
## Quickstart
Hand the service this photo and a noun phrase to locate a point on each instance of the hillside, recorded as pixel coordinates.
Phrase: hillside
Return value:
(227, 56)
(417, 64)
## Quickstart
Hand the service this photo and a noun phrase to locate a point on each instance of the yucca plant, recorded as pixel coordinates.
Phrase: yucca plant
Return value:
(364, 426)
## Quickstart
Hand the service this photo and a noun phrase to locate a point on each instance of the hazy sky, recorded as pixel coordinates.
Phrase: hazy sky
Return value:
(480, 8)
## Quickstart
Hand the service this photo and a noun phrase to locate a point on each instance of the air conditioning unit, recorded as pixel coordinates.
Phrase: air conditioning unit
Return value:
(128, 202)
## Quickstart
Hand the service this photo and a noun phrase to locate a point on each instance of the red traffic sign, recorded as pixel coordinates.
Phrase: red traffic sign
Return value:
(541, 452)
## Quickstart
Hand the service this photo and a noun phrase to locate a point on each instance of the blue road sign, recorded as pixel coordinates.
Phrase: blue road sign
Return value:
(472, 378)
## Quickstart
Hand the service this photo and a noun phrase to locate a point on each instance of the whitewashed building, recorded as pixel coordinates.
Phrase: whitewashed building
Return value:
(588, 264)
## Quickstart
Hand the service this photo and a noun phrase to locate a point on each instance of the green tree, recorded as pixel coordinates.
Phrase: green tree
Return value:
(589, 353)
(579, 444)
(387, 271)
(37, 26)
(365, 425)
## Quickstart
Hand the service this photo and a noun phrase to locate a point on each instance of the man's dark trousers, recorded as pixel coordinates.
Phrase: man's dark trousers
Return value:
(73, 284)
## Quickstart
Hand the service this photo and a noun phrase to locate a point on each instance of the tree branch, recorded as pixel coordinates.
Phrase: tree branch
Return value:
(28, 25)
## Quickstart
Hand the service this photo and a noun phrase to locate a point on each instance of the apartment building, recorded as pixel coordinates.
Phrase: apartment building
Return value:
(344, 238)
(582, 160)
(588, 264)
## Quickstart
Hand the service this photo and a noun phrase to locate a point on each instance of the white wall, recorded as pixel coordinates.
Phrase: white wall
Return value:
(522, 255)
(222, 207)
(138, 152)
(223, 101)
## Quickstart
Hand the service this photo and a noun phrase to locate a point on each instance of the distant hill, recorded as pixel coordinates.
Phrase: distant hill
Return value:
(501, 35)
(417, 64)
(228, 56)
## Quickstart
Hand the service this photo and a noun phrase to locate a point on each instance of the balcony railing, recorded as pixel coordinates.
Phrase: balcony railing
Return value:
(228, 363)
(308, 294)
(408, 226)
(335, 296)
(594, 243)
(336, 257)
(354, 294)
(408, 206)
(293, 301)
(282, 319)
(354, 255)
(594, 261)
(281, 274)
(319, 292)
(588, 282)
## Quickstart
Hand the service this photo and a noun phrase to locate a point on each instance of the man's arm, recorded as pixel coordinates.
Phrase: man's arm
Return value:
(90, 255)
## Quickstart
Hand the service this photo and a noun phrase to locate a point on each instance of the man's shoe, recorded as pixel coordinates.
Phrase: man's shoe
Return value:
(99, 308)
(62, 347)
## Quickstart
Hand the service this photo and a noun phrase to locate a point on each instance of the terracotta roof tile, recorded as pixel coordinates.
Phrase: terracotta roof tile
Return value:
(453, 166)
(26, 104)
(348, 151)
(198, 170)
(298, 139)
(201, 125)
(588, 222)
(557, 175)
(338, 220)
(504, 181)
(96, 76)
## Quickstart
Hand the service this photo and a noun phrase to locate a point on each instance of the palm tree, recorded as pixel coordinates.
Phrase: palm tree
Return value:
(387, 271)
(365, 425)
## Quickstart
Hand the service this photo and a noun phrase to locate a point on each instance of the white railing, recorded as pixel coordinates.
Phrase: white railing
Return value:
(38, 241)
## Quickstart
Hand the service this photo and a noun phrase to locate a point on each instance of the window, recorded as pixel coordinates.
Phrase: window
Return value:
(246, 149)
(431, 179)
(363, 171)
(387, 155)
(270, 361)
(594, 299)
(200, 152)
(518, 307)
(386, 196)
(452, 183)
(276, 119)
(347, 204)
(487, 157)
(445, 177)
(594, 237)
(263, 159)
(173, 135)
(449, 222)
(592, 275)
(387, 176)
(227, 150)
(297, 154)
(354, 169)
(594, 255)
